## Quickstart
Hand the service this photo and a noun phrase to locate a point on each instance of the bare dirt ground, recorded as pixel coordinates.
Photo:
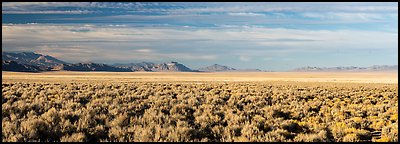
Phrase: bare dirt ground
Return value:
(339, 77)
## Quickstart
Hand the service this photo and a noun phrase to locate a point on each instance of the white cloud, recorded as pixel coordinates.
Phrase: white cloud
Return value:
(273, 36)
(244, 58)
(69, 53)
(346, 16)
(42, 6)
(188, 56)
(49, 12)
(45, 7)
(144, 50)
(201, 31)
(282, 7)
(243, 19)
(314, 15)
(193, 8)
(125, 43)
(45, 4)
(246, 14)
(267, 58)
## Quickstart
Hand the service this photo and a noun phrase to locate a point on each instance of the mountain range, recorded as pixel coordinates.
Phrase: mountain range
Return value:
(43, 62)
(33, 62)
(7, 65)
(88, 67)
(348, 68)
(216, 68)
(148, 66)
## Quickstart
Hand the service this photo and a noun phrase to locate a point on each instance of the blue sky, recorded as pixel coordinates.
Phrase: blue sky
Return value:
(267, 36)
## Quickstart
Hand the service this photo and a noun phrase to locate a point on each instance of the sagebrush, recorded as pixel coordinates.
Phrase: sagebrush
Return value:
(210, 111)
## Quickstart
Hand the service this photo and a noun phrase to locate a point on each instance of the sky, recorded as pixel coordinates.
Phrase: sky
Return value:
(267, 36)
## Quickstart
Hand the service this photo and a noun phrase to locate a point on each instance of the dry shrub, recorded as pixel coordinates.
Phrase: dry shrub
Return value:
(75, 137)
(207, 112)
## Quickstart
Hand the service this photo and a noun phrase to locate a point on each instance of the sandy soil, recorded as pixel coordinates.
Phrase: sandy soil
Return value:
(64, 76)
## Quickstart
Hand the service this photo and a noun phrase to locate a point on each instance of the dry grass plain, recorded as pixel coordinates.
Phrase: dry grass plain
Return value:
(226, 106)
(353, 77)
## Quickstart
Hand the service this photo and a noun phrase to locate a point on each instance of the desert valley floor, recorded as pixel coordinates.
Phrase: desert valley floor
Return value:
(354, 77)
(186, 106)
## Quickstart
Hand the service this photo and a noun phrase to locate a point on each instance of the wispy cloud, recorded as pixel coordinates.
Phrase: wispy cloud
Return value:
(159, 43)
(286, 7)
(192, 8)
(244, 58)
(17, 5)
(49, 12)
(146, 50)
(207, 32)
(348, 16)
(45, 7)
(246, 14)
(264, 36)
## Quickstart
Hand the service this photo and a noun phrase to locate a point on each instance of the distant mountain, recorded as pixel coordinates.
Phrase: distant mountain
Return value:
(383, 68)
(172, 66)
(249, 70)
(308, 68)
(148, 66)
(33, 62)
(44, 62)
(89, 67)
(29, 61)
(349, 68)
(7, 65)
(216, 68)
(221, 68)
(143, 66)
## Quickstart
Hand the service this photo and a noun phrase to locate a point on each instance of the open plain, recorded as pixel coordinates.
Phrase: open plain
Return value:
(228, 106)
(353, 77)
